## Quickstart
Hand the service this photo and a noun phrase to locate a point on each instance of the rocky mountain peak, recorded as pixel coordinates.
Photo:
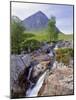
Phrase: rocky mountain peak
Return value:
(36, 21)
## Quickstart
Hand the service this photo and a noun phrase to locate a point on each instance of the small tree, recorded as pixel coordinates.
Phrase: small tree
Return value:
(52, 30)
(16, 36)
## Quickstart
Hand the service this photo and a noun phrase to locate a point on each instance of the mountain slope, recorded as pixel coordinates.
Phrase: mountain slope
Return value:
(36, 21)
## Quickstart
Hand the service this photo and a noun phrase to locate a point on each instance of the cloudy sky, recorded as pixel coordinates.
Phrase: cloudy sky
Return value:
(63, 13)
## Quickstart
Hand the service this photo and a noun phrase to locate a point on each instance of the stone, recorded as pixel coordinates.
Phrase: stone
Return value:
(40, 68)
(16, 67)
(59, 82)
(66, 44)
(71, 62)
(45, 47)
(27, 59)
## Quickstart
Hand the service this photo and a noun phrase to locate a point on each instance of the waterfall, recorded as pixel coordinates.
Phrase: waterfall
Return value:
(34, 91)
(50, 54)
(30, 70)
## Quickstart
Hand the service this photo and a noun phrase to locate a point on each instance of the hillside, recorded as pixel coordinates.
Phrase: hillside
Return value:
(43, 36)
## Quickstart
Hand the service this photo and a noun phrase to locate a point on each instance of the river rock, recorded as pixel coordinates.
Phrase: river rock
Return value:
(45, 47)
(66, 44)
(59, 82)
(36, 53)
(38, 70)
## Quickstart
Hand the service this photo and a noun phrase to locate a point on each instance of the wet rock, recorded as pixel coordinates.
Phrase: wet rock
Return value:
(17, 92)
(42, 57)
(38, 70)
(59, 82)
(23, 83)
(36, 53)
(45, 47)
(34, 63)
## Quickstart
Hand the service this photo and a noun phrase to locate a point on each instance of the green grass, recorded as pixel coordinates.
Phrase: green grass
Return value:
(43, 36)
(65, 37)
(40, 37)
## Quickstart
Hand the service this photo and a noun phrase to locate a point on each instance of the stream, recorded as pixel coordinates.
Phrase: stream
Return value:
(34, 91)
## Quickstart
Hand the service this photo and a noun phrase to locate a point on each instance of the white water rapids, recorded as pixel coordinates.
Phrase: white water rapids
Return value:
(34, 91)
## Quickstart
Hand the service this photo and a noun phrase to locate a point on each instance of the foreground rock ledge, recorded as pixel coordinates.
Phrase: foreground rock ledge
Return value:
(59, 82)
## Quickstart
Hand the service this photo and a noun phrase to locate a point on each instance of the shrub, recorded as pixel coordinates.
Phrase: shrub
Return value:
(52, 30)
(64, 55)
(30, 45)
(17, 31)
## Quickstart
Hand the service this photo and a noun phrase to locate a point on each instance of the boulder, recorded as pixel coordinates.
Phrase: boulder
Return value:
(45, 47)
(16, 66)
(38, 70)
(59, 82)
(66, 44)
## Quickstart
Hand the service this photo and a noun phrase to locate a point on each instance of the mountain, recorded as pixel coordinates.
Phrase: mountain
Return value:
(36, 21)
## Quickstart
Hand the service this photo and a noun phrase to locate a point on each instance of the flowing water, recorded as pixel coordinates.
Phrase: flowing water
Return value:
(34, 91)
(30, 70)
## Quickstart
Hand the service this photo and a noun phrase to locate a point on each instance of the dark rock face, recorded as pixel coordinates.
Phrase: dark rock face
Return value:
(16, 67)
(37, 21)
(19, 69)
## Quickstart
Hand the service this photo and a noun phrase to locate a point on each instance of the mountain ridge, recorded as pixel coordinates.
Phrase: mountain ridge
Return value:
(35, 14)
(36, 21)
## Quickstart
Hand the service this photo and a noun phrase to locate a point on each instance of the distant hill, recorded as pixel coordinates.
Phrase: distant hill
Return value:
(37, 21)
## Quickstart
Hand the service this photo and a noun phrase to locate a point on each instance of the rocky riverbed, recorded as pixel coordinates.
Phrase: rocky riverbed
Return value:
(27, 72)
(59, 82)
